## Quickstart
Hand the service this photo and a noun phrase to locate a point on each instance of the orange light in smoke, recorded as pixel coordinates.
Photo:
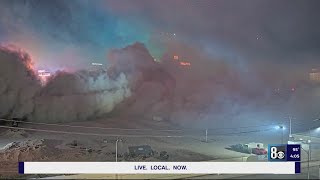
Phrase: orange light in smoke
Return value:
(175, 57)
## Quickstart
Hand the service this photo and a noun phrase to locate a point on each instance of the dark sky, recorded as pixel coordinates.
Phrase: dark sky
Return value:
(260, 28)
(73, 33)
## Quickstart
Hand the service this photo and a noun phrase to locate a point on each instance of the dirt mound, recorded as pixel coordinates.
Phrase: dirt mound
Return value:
(179, 154)
(13, 133)
(30, 150)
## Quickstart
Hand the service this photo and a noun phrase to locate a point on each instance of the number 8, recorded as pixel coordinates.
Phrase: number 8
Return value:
(273, 153)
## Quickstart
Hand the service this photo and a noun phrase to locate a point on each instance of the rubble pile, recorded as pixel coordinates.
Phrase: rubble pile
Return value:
(30, 150)
(13, 133)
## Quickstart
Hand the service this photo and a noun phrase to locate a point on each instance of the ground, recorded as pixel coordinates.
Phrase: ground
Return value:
(180, 145)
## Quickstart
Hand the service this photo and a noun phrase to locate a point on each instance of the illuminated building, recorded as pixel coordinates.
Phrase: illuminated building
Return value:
(43, 75)
(96, 67)
(314, 75)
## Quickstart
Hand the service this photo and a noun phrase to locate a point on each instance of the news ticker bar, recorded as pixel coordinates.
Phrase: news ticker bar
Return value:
(159, 167)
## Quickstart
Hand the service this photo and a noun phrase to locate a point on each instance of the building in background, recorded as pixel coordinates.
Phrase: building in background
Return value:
(314, 76)
(97, 67)
(44, 75)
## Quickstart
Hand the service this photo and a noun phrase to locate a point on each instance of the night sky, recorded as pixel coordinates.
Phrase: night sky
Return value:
(72, 34)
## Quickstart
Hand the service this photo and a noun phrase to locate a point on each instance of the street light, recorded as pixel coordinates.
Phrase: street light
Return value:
(290, 125)
(290, 134)
(118, 140)
(308, 153)
(310, 130)
(309, 150)
(309, 147)
(316, 130)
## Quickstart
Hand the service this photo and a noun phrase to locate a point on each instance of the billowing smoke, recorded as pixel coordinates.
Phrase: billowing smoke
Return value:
(18, 83)
(213, 90)
(151, 84)
(79, 96)
(66, 97)
(204, 94)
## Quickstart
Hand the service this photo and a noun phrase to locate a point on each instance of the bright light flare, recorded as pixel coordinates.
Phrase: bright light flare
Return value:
(96, 64)
(46, 74)
(185, 64)
(279, 127)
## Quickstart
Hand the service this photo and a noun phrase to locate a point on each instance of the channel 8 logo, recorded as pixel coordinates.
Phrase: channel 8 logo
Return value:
(277, 153)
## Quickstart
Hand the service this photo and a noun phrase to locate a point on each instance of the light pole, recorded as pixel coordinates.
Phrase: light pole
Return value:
(118, 140)
(310, 131)
(290, 128)
(308, 153)
(317, 130)
(206, 135)
(282, 128)
(309, 149)
(319, 171)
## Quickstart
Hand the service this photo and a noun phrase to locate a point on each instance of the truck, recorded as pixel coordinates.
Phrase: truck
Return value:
(143, 150)
(250, 148)
(240, 148)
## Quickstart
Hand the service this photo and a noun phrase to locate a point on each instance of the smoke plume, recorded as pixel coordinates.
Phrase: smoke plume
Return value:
(204, 94)
(18, 83)
(66, 97)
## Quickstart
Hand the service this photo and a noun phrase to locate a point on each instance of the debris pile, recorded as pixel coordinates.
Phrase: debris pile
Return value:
(164, 155)
(29, 150)
(144, 153)
(14, 133)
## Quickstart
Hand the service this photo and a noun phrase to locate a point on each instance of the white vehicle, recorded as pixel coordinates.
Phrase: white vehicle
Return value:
(255, 145)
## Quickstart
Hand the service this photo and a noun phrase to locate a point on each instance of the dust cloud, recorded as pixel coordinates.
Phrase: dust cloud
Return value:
(209, 91)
